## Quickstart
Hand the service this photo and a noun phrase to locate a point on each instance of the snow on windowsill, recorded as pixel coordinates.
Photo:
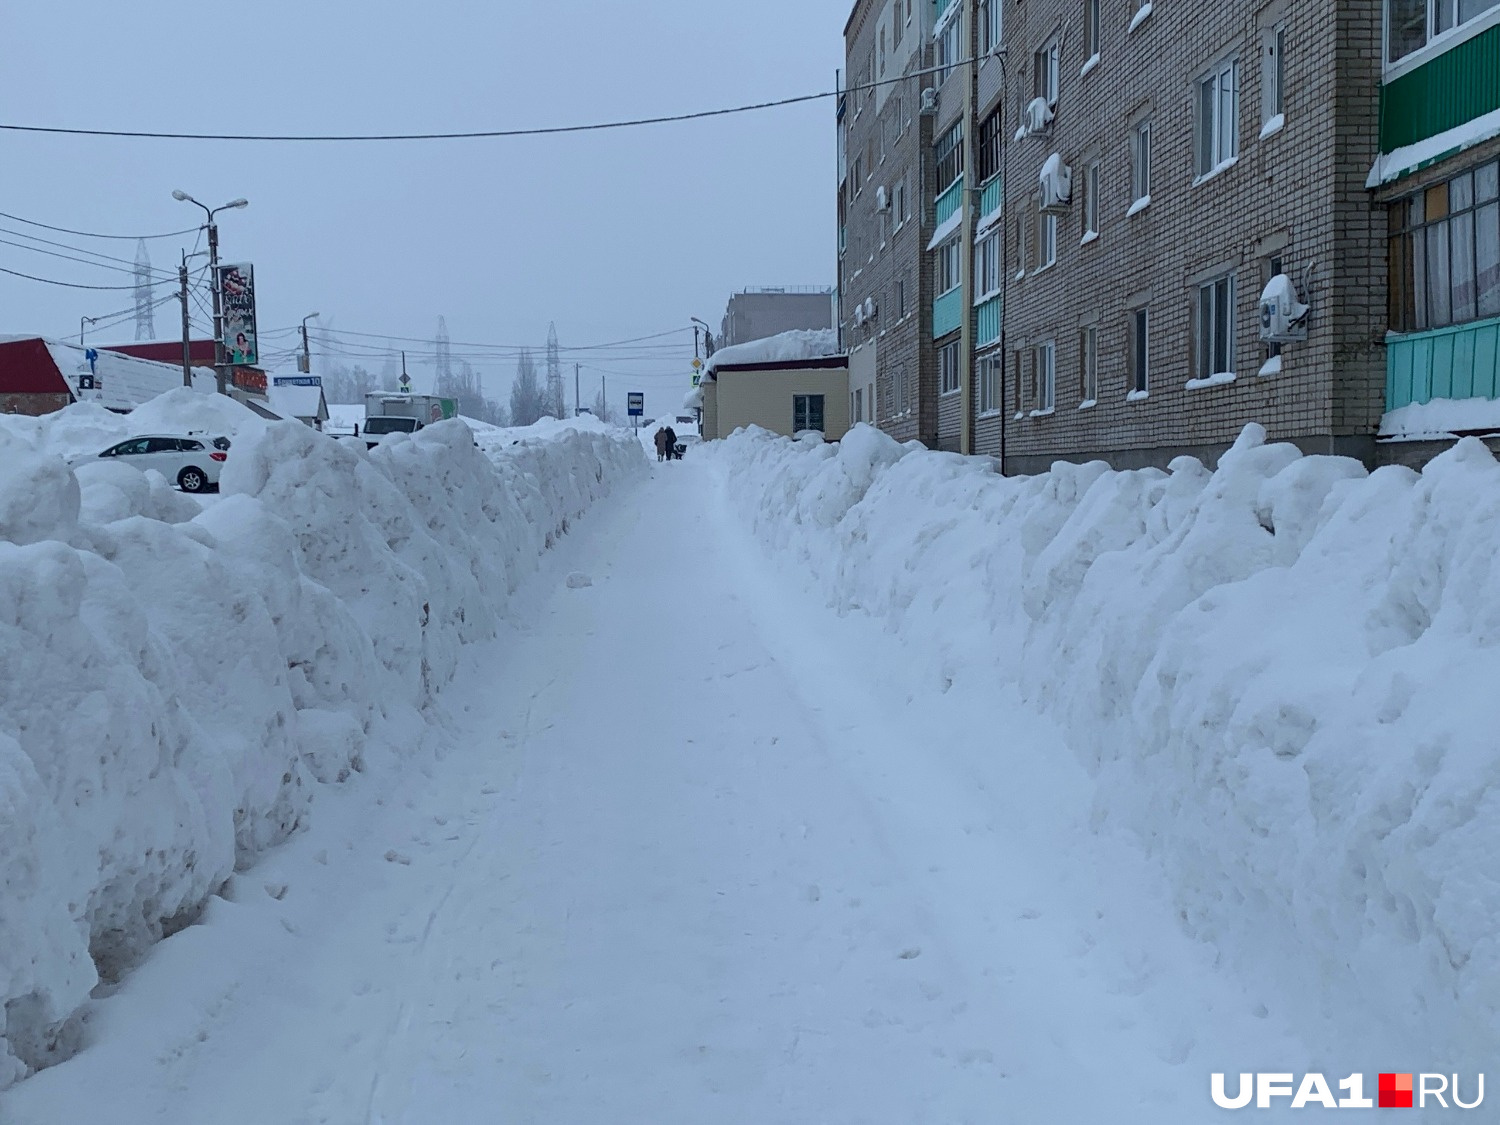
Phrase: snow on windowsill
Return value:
(1020, 415)
(949, 394)
(1137, 396)
(1140, 17)
(1272, 366)
(1217, 379)
(1273, 126)
(1221, 167)
(1138, 206)
(1021, 275)
(987, 414)
(1088, 404)
(1044, 413)
(1021, 135)
(1088, 66)
(990, 296)
(1088, 236)
(988, 223)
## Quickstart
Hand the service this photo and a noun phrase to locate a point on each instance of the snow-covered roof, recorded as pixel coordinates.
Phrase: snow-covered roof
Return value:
(800, 343)
(123, 382)
(296, 402)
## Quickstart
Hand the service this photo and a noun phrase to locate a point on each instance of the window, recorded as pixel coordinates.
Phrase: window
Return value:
(1411, 24)
(856, 179)
(898, 202)
(807, 413)
(949, 151)
(1273, 267)
(987, 265)
(989, 383)
(858, 410)
(1272, 74)
(1025, 229)
(1140, 365)
(1216, 327)
(950, 48)
(900, 297)
(1091, 200)
(1218, 117)
(1088, 364)
(1044, 375)
(898, 24)
(1444, 252)
(1046, 239)
(869, 157)
(948, 368)
(1140, 161)
(991, 16)
(949, 262)
(1091, 28)
(899, 388)
(990, 140)
(1046, 65)
(881, 70)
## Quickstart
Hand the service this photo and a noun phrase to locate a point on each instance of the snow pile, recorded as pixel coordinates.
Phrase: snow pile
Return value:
(175, 681)
(800, 343)
(86, 428)
(1280, 672)
(1441, 418)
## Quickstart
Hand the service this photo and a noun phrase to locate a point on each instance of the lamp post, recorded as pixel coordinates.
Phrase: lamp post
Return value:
(708, 338)
(306, 351)
(213, 267)
(82, 320)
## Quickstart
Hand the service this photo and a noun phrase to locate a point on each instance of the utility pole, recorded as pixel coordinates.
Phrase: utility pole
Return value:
(220, 375)
(603, 399)
(577, 401)
(305, 363)
(187, 349)
(968, 197)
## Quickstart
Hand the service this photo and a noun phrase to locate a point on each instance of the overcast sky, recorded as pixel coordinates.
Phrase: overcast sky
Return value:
(612, 235)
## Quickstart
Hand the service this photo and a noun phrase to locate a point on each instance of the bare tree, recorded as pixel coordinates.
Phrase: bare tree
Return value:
(526, 400)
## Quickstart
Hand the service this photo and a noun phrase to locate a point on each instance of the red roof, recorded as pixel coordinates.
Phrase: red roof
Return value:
(27, 368)
(200, 352)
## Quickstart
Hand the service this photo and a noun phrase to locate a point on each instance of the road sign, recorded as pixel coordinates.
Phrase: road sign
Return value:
(635, 404)
(405, 382)
(697, 363)
(696, 378)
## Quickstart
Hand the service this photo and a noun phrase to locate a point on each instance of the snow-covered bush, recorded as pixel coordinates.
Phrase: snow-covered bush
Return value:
(176, 680)
(1281, 673)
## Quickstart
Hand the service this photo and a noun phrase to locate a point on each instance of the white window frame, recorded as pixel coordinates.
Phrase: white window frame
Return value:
(1272, 79)
(1092, 28)
(1214, 319)
(947, 267)
(1046, 72)
(949, 45)
(989, 384)
(987, 267)
(1140, 162)
(1438, 33)
(898, 203)
(1088, 364)
(1091, 201)
(991, 25)
(1217, 96)
(1044, 377)
(900, 298)
(948, 365)
(1046, 240)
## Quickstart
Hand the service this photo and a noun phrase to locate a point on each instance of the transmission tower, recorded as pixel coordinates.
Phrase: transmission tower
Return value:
(145, 314)
(444, 357)
(556, 403)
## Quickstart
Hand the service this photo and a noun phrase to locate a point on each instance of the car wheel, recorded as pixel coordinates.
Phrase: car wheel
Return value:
(192, 480)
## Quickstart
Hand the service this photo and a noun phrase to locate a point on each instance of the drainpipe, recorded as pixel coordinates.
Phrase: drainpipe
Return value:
(966, 242)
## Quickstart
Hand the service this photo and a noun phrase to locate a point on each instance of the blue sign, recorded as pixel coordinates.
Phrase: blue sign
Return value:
(93, 357)
(297, 381)
(636, 404)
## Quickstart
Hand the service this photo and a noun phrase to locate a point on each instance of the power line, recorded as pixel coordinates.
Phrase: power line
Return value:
(535, 131)
(64, 284)
(326, 332)
(82, 250)
(89, 234)
(81, 261)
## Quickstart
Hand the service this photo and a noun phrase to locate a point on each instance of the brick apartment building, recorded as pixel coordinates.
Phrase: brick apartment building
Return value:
(756, 313)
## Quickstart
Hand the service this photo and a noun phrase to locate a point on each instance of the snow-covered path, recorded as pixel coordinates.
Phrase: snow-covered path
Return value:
(688, 866)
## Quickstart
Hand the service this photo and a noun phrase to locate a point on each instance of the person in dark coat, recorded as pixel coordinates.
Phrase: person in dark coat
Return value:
(671, 443)
(661, 444)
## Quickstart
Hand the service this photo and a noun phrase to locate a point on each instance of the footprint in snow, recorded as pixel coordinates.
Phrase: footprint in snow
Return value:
(911, 954)
(578, 581)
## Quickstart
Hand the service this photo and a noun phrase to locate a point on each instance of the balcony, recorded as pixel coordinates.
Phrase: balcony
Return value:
(947, 313)
(991, 199)
(987, 329)
(1446, 363)
(949, 202)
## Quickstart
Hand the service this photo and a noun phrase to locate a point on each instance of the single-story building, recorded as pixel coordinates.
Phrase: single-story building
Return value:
(787, 384)
(299, 397)
(38, 376)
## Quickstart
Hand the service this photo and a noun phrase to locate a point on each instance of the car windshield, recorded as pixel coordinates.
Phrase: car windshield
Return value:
(391, 426)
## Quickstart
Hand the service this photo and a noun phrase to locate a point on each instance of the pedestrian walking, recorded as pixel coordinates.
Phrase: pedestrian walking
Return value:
(661, 444)
(671, 443)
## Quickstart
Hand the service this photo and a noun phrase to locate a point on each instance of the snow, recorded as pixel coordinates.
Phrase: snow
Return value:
(1139, 17)
(1137, 396)
(1138, 206)
(1056, 178)
(1272, 366)
(1087, 403)
(1411, 158)
(177, 682)
(1276, 675)
(345, 416)
(946, 229)
(1273, 125)
(1441, 418)
(1088, 236)
(124, 382)
(1093, 61)
(294, 402)
(800, 343)
(1217, 379)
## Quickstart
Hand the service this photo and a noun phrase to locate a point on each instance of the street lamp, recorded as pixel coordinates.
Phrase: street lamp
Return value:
(708, 339)
(306, 352)
(213, 266)
(82, 320)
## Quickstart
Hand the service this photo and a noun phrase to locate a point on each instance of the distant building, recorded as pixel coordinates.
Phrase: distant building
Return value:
(755, 314)
(39, 376)
(790, 383)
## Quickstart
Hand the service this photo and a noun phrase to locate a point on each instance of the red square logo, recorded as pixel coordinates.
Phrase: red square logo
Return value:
(1395, 1091)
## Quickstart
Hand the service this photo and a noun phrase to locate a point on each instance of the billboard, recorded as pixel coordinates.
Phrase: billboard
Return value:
(237, 300)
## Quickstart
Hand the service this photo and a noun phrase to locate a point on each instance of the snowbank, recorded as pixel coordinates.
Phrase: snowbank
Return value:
(1441, 418)
(86, 428)
(800, 343)
(1280, 673)
(176, 681)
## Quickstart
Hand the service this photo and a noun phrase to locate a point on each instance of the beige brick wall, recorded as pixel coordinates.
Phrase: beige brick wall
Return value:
(764, 398)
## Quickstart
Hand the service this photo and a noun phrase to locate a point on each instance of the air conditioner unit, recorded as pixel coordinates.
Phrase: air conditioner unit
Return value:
(929, 102)
(869, 308)
(882, 200)
(1057, 186)
(1283, 318)
(1038, 116)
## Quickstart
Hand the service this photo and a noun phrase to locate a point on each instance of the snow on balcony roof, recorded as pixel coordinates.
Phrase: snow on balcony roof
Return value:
(800, 343)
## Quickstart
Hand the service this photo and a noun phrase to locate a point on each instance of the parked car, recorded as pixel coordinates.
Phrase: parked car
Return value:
(192, 461)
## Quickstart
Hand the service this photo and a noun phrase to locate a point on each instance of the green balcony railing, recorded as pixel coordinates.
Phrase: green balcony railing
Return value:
(1455, 87)
(991, 198)
(947, 313)
(939, 7)
(987, 327)
(948, 203)
(1459, 362)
